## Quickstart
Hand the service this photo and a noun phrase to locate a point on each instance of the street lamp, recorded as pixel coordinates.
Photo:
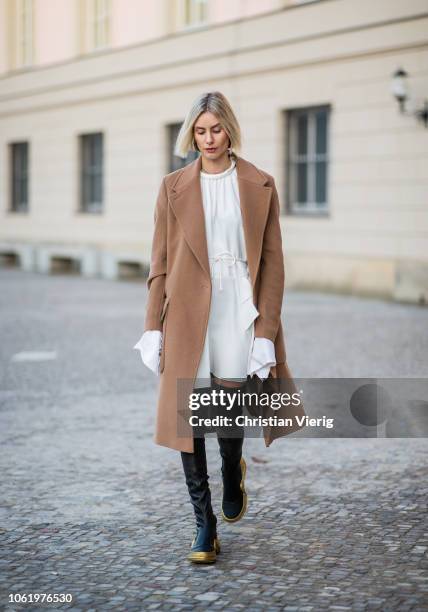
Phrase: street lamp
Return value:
(400, 91)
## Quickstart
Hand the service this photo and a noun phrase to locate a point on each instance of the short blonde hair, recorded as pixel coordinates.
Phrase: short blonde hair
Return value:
(214, 102)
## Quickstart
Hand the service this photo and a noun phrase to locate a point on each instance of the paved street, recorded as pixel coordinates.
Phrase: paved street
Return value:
(90, 506)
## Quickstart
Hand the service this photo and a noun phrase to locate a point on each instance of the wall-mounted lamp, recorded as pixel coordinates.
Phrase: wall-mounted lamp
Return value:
(400, 90)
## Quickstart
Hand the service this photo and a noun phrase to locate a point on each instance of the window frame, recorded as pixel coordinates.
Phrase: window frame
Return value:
(96, 30)
(90, 172)
(16, 182)
(310, 207)
(189, 10)
(175, 162)
(24, 33)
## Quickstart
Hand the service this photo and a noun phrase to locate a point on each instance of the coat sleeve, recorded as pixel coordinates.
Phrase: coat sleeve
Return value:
(158, 264)
(271, 289)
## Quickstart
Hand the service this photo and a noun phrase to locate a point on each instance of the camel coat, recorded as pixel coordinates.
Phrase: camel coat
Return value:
(179, 290)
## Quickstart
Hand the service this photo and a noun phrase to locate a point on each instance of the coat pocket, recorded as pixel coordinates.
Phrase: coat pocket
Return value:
(165, 306)
(164, 319)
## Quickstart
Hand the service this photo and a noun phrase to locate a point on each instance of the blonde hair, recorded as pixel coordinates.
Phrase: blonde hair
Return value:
(214, 102)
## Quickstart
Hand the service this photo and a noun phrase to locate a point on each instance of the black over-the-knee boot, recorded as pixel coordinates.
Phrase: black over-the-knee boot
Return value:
(234, 503)
(205, 544)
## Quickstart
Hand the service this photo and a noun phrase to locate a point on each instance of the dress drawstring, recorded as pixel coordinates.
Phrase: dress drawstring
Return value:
(226, 257)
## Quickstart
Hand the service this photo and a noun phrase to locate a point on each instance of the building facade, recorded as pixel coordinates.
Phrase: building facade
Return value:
(93, 92)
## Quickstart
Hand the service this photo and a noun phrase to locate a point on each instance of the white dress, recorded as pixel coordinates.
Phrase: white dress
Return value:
(230, 350)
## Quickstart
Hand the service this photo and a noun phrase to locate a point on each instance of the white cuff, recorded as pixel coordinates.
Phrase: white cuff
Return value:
(262, 357)
(150, 347)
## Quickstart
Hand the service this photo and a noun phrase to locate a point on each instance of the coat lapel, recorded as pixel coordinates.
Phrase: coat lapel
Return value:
(186, 202)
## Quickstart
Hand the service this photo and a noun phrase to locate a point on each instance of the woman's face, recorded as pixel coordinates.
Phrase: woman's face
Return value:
(210, 136)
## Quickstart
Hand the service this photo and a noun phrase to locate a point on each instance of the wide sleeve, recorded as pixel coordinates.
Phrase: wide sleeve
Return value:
(158, 264)
(262, 357)
(150, 346)
(271, 289)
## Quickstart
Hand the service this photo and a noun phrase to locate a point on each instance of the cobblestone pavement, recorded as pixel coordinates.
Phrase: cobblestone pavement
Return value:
(90, 506)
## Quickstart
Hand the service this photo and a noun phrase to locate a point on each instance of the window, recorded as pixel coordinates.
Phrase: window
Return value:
(101, 23)
(307, 171)
(174, 161)
(91, 172)
(98, 17)
(18, 155)
(24, 33)
(195, 12)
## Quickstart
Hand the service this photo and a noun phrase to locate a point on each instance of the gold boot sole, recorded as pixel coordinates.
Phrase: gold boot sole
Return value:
(244, 496)
(205, 557)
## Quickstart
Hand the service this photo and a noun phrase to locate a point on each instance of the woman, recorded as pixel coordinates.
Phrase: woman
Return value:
(216, 254)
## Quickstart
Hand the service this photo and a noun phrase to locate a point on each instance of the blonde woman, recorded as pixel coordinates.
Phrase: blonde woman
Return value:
(215, 295)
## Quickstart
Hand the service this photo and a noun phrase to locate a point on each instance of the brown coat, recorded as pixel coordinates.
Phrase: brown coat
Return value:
(179, 285)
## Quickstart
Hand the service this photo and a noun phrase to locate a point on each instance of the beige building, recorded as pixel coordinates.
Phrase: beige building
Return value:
(92, 93)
